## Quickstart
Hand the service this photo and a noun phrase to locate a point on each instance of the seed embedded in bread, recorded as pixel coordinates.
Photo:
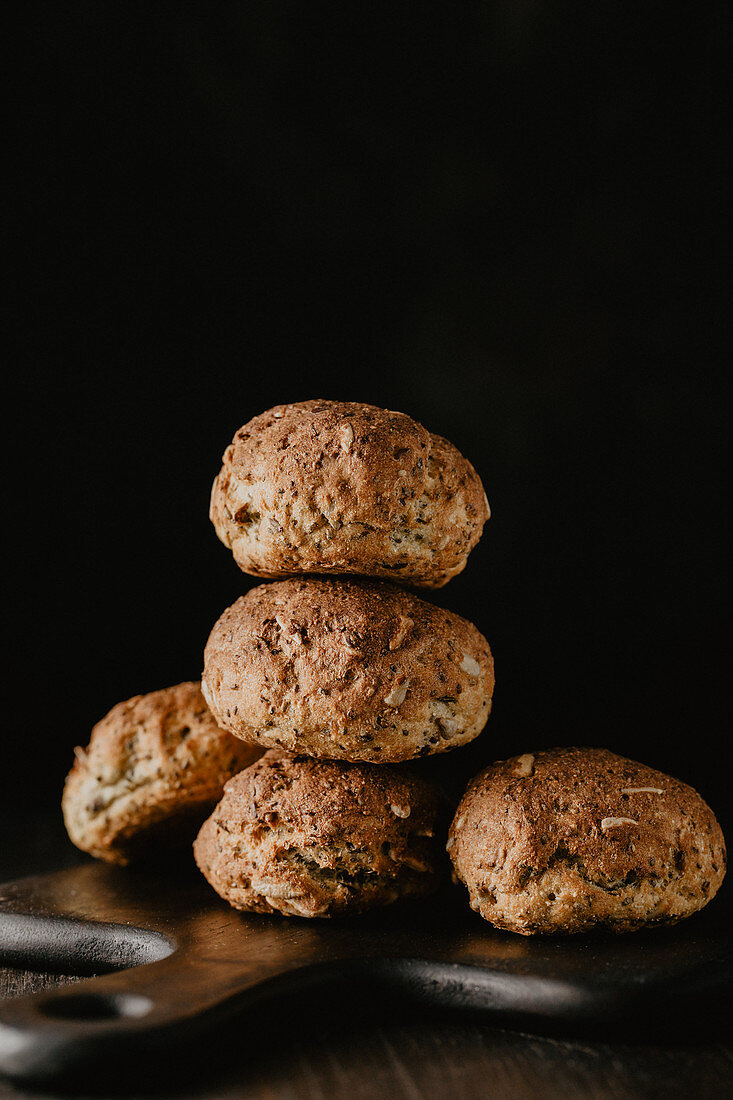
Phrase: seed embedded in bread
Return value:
(351, 670)
(584, 839)
(343, 487)
(320, 838)
(155, 765)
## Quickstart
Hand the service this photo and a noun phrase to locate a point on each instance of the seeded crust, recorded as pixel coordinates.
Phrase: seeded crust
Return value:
(320, 838)
(350, 670)
(342, 487)
(566, 841)
(155, 765)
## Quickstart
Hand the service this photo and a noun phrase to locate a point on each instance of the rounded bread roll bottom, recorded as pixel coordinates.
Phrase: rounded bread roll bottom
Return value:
(344, 487)
(572, 839)
(349, 670)
(319, 838)
(154, 767)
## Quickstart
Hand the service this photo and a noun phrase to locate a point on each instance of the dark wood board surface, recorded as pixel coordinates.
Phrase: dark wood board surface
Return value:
(360, 1041)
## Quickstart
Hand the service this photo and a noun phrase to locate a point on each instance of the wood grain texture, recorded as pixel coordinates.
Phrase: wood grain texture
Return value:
(434, 1058)
(339, 1051)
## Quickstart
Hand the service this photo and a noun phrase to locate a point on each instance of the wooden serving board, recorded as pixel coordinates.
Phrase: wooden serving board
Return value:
(171, 960)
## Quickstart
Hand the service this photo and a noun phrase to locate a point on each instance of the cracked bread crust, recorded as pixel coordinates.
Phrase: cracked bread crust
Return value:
(343, 487)
(349, 670)
(321, 838)
(573, 839)
(155, 765)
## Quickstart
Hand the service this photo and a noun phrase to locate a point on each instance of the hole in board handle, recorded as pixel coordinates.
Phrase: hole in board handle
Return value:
(97, 1006)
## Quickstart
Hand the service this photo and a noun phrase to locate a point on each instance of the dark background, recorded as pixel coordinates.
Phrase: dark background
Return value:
(503, 219)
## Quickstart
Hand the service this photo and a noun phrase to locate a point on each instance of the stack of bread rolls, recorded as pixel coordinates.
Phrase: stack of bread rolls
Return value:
(323, 684)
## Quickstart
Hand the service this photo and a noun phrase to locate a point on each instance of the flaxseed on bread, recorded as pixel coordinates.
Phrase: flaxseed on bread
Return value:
(569, 840)
(155, 765)
(351, 670)
(320, 838)
(343, 487)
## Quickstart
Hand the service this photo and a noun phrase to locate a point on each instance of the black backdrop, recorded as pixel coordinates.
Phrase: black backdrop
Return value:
(501, 218)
